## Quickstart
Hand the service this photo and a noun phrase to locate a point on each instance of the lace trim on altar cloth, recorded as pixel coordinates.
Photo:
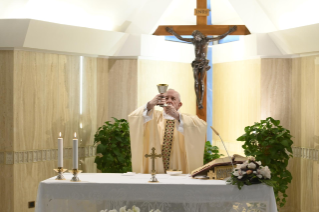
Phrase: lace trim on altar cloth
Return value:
(83, 206)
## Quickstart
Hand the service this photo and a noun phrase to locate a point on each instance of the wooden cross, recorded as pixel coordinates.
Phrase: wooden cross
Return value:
(153, 156)
(201, 24)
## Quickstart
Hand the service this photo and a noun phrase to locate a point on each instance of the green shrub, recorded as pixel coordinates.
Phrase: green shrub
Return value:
(113, 149)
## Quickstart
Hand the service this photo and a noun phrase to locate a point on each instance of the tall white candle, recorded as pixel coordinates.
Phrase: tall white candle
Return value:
(75, 152)
(60, 151)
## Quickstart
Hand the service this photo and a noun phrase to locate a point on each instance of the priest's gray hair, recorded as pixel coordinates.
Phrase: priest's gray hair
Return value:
(179, 96)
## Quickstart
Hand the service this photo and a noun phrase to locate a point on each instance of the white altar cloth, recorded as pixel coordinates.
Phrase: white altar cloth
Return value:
(98, 191)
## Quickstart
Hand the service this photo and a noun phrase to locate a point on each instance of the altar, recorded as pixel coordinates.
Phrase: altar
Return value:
(100, 191)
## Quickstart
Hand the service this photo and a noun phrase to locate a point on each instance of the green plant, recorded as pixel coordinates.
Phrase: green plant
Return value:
(271, 143)
(113, 150)
(211, 152)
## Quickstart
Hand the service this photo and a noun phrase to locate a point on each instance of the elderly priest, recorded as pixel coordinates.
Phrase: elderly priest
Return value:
(180, 138)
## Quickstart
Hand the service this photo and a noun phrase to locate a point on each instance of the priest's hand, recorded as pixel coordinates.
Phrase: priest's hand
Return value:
(170, 110)
(159, 99)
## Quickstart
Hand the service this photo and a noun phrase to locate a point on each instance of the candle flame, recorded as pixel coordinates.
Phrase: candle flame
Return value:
(75, 135)
(60, 134)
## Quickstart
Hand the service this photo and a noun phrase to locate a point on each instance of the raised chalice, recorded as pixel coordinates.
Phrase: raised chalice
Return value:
(162, 88)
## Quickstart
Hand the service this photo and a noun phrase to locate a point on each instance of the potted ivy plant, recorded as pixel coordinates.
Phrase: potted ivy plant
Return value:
(113, 147)
(271, 144)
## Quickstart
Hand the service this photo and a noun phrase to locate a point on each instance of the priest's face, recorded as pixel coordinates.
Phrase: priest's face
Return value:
(173, 98)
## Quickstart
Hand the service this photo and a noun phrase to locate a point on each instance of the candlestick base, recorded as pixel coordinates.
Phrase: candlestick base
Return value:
(75, 173)
(60, 171)
(153, 178)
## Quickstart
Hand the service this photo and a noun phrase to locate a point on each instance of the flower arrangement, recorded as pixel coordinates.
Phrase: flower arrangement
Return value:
(250, 172)
(123, 209)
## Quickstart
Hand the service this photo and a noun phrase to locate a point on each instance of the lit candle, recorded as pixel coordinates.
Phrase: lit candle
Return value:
(75, 152)
(60, 151)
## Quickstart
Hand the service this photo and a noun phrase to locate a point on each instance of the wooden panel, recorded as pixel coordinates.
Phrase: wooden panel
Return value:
(236, 102)
(316, 139)
(89, 105)
(122, 88)
(51, 124)
(69, 97)
(296, 102)
(6, 188)
(88, 166)
(315, 191)
(276, 90)
(179, 76)
(102, 90)
(26, 181)
(306, 170)
(303, 192)
(294, 190)
(205, 29)
(6, 99)
(28, 100)
(307, 101)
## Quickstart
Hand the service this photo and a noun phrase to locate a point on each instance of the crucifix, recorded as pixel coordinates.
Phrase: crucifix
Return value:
(153, 156)
(201, 25)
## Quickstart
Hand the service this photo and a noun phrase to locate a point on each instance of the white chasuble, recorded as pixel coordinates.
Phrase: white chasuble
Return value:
(187, 147)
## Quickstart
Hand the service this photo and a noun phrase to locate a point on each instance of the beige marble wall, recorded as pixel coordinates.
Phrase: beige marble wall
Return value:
(40, 96)
(6, 129)
(276, 90)
(122, 87)
(288, 91)
(236, 101)
(6, 99)
(102, 90)
(303, 192)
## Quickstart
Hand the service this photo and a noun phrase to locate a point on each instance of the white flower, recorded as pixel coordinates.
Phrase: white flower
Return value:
(243, 166)
(129, 210)
(123, 209)
(258, 162)
(135, 209)
(265, 171)
(104, 210)
(251, 166)
(238, 166)
(239, 174)
(235, 173)
(251, 158)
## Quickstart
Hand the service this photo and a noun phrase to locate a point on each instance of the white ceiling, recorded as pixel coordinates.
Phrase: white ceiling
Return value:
(143, 16)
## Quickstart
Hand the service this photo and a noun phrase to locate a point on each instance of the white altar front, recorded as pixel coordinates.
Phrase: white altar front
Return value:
(98, 191)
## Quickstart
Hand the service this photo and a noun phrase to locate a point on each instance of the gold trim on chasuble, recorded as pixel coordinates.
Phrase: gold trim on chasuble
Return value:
(167, 142)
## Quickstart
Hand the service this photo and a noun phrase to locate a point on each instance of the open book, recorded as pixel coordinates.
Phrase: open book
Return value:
(237, 159)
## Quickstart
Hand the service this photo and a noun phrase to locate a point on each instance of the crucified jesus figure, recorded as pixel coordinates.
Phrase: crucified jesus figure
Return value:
(200, 64)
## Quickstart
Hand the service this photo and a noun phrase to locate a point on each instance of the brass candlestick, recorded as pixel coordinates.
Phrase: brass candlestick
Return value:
(153, 156)
(75, 173)
(60, 171)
